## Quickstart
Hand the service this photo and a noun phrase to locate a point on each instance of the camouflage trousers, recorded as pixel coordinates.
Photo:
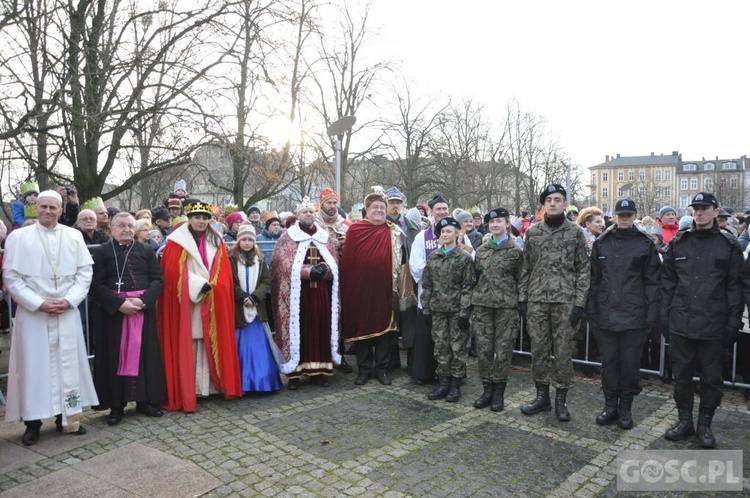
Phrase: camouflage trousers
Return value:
(550, 331)
(450, 345)
(496, 331)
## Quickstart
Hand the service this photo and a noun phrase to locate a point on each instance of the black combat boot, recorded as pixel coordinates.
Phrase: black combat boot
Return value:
(454, 393)
(684, 427)
(498, 397)
(626, 417)
(441, 390)
(541, 403)
(484, 400)
(561, 408)
(609, 413)
(705, 436)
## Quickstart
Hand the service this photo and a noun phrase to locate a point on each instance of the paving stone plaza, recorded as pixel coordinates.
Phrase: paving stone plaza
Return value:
(345, 440)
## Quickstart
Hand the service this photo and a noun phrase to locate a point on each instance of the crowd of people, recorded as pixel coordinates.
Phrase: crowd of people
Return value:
(189, 300)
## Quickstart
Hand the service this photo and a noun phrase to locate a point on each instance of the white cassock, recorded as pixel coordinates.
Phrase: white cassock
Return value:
(49, 371)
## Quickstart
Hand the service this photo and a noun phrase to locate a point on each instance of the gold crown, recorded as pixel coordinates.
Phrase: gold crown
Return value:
(29, 187)
(93, 203)
(198, 207)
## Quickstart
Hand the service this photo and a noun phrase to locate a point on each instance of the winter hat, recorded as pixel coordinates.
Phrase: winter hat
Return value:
(685, 222)
(464, 216)
(233, 218)
(413, 215)
(246, 231)
(665, 210)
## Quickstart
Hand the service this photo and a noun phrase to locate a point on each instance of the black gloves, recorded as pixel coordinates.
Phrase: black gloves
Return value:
(206, 288)
(522, 309)
(732, 334)
(463, 323)
(575, 316)
(318, 272)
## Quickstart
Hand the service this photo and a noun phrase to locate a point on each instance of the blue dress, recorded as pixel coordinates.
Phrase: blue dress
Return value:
(258, 367)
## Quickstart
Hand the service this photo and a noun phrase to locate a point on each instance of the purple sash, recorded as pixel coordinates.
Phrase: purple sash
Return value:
(130, 342)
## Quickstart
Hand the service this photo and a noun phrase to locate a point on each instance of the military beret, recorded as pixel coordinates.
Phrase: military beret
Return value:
(446, 222)
(554, 188)
(496, 213)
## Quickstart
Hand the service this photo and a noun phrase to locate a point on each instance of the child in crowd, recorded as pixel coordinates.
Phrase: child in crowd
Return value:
(25, 207)
(252, 280)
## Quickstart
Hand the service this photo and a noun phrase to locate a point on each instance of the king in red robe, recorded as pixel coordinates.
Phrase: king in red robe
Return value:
(305, 290)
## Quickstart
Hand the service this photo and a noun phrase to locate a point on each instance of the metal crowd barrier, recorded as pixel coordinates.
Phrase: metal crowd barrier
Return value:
(584, 361)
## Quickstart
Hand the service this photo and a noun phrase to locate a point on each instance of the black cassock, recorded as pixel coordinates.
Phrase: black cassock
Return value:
(140, 271)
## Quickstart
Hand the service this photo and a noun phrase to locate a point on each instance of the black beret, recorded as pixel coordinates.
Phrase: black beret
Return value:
(447, 222)
(496, 213)
(436, 200)
(554, 188)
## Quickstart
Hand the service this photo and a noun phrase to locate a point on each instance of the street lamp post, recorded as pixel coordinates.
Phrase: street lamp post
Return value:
(337, 130)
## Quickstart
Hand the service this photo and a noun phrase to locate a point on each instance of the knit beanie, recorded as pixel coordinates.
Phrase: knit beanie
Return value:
(246, 230)
(665, 210)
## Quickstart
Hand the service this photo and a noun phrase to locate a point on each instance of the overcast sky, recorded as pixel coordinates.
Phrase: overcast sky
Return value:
(629, 77)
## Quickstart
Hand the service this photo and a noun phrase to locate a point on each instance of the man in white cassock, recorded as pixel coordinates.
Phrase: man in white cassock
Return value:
(47, 270)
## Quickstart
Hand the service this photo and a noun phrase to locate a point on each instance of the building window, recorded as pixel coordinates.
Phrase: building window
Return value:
(683, 201)
(630, 193)
(620, 176)
(605, 193)
(605, 177)
(667, 175)
(641, 175)
(688, 167)
(667, 191)
(605, 207)
(657, 175)
(658, 191)
(733, 182)
(708, 184)
(693, 184)
(729, 165)
(631, 176)
(620, 194)
(683, 184)
(708, 167)
(641, 192)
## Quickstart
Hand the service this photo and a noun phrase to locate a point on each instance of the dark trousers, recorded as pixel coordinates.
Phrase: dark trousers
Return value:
(621, 359)
(374, 354)
(707, 357)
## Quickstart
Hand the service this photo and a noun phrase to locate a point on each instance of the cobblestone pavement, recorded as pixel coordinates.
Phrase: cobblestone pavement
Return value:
(346, 440)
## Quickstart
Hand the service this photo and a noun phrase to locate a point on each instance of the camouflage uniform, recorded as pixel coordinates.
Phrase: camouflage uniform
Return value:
(447, 281)
(554, 278)
(494, 316)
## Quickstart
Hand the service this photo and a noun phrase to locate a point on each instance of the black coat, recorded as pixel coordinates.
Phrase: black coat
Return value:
(624, 291)
(702, 295)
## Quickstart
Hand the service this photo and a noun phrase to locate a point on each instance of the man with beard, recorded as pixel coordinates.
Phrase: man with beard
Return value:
(421, 360)
(554, 281)
(127, 283)
(328, 215)
(305, 286)
(371, 262)
(329, 218)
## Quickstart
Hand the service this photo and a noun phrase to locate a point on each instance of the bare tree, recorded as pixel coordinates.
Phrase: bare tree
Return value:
(346, 82)
(408, 139)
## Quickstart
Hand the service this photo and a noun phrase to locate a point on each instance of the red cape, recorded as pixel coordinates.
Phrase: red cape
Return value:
(366, 286)
(175, 329)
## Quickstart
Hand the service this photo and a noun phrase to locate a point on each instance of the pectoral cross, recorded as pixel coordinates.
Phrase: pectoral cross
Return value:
(54, 277)
(314, 259)
(119, 284)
